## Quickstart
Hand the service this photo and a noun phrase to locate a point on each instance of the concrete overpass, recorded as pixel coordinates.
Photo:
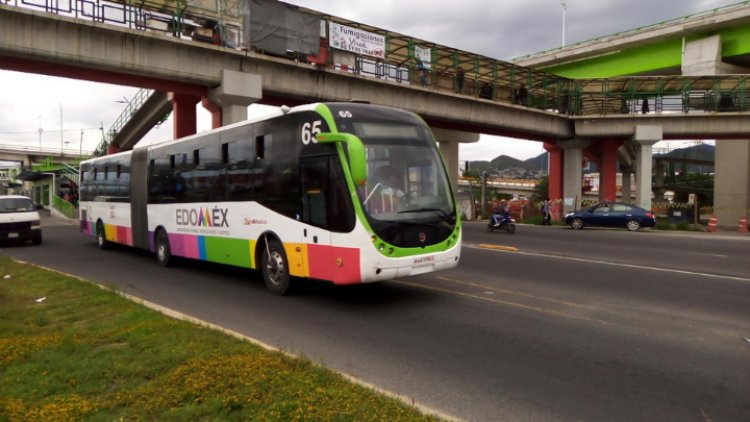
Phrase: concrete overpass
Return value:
(715, 42)
(227, 80)
(27, 157)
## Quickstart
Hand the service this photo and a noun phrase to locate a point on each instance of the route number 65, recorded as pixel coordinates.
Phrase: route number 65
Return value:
(309, 130)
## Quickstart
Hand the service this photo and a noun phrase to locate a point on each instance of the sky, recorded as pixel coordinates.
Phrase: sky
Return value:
(34, 107)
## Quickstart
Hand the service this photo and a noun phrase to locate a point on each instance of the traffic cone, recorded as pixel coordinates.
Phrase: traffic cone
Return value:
(742, 227)
(712, 224)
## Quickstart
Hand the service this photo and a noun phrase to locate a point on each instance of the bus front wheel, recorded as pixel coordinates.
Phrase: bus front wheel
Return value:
(163, 252)
(275, 268)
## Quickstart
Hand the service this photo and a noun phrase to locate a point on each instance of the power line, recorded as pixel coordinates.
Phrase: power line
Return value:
(50, 131)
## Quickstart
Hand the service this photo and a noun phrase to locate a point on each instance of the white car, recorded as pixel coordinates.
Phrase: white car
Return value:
(19, 219)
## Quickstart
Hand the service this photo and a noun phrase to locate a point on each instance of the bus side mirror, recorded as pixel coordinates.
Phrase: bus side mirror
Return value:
(357, 162)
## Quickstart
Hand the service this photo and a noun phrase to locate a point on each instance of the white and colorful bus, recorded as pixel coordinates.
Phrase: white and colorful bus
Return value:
(296, 194)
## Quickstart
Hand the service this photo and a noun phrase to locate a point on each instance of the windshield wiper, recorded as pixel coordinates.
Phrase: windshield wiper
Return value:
(441, 212)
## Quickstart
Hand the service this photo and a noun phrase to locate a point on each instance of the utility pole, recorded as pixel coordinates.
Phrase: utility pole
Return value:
(484, 194)
(61, 129)
(40, 134)
(80, 146)
(565, 7)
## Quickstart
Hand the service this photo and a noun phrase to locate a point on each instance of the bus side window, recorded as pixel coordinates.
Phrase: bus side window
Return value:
(260, 146)
(161, 181)
(239, 183)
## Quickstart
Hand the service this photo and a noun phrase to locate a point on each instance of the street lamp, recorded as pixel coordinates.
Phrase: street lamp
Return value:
(61, 129)
(565, 7)
(40, 133)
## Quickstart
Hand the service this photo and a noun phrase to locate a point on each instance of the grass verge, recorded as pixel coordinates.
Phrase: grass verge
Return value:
(84, 353)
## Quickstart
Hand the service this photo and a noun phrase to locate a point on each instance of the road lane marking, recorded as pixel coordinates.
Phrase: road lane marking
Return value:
(498, 247)
(511, 304)
(510, 292)
(618, 264)
(715, 255)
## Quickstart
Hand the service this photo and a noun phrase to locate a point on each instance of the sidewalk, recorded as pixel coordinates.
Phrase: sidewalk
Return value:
(53, 218)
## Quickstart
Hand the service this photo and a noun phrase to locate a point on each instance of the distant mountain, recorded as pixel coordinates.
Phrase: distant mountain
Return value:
(502, 163)
(696, 152)
(700, 152)
(512, 168)
(537, 163)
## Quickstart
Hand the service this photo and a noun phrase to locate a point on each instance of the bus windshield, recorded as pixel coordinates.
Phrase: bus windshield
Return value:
(406, 182)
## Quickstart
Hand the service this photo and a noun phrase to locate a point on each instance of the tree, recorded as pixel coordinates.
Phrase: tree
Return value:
(541, 190)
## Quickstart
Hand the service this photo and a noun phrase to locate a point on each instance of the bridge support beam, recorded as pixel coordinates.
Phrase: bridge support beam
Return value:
(627, 175)
(215, 111)
(608, 169)
(645, 137)
(183, 110)
(237, 91)
(731, 182)
(572, 171)
(732, 159)
(555, 177)
(449, 140)
(660, 173)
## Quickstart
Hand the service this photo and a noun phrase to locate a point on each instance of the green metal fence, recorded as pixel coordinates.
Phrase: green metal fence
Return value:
(64, 207)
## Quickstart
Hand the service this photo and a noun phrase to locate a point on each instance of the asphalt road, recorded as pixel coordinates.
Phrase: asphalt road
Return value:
(573, 325)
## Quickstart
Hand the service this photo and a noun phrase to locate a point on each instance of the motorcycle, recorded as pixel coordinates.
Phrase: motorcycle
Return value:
(502, 222)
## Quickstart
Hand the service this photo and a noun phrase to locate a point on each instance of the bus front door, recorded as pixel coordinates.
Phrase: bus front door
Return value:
(314, 178)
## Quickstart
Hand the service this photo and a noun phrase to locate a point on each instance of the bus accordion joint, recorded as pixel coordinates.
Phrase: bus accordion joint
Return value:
(357, 161)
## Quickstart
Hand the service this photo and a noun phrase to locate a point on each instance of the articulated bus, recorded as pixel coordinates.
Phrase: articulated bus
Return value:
(296, 194)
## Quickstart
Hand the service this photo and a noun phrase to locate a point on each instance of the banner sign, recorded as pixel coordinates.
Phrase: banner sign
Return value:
(425, 55)
(356, 40)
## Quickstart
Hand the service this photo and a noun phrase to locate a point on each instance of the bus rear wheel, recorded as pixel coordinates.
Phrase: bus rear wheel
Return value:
(163, 251)
(101, 238)
(275, 268)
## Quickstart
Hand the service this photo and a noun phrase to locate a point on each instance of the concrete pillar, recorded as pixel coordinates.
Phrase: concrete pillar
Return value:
(627, 175)
(449, 150)
(731, 162)
(555, 159)
(448, 141)
(237, 91)
(731, 182)
(572, 172)
(215, 111)
(608, 169)
(659, 175)
(183, 110)
(645, 137)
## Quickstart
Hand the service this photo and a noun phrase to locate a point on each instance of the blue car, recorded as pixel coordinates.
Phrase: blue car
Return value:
(611, 214)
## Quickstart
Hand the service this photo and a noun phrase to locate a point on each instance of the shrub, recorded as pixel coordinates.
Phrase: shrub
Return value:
(682, 225)
(663, 226)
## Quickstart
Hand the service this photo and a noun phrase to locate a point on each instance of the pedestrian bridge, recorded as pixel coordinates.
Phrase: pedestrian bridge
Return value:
(574, 117)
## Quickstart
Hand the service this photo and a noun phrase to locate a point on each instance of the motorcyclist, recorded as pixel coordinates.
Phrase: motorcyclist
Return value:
(500, 212)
